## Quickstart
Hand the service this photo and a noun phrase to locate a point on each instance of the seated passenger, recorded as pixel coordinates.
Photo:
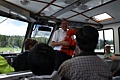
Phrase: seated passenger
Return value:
(108, 54)
(86, 65)
(4, 66)
(41, 60)
(20, 63)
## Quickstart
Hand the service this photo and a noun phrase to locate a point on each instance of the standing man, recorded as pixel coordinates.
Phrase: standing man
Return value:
(58, 42)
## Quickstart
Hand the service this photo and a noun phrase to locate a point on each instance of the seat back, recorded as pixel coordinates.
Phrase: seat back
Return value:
(16, 75)
(53, 76)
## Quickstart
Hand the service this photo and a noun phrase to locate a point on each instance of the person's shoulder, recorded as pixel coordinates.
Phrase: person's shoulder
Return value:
(68, 62)
(58, 30)
(73, 60)
(1, 57)
(111, 53)
(66, 65)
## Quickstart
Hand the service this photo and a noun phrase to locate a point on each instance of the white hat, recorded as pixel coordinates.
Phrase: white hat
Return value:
(107, 45)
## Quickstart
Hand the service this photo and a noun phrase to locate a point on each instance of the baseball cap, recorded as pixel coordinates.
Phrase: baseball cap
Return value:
(107, 45)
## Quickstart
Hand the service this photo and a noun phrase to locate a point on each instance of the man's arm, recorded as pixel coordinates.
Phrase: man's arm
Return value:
(65, 43)
(55, 41)
(113, 57)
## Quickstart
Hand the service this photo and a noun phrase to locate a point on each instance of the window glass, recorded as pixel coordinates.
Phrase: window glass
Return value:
(12, 34)
(109, 38)
(105, 37)
(42, 36)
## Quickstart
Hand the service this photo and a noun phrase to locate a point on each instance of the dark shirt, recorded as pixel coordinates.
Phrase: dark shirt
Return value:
(20, 63)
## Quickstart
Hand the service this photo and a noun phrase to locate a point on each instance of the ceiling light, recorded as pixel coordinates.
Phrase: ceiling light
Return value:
(102, 17)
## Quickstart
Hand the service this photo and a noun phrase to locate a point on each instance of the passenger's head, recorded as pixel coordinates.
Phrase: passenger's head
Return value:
(87, 38)
(64, 24)
(29, 43)
(107, 48)
(41, 59)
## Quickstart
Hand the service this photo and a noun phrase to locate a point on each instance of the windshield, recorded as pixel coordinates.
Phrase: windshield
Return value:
(39, 35)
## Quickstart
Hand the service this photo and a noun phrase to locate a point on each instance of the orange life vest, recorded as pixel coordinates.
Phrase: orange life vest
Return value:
(72, 43)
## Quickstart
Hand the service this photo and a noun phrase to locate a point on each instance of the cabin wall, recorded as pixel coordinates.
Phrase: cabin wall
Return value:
(116, 35)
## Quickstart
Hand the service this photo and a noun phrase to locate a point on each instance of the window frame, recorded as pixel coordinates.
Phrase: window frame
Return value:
(17, 19)
(50, 34)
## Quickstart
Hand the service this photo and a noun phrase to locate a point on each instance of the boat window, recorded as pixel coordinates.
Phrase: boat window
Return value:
(105, 37)
(41, 33)
(12, 34)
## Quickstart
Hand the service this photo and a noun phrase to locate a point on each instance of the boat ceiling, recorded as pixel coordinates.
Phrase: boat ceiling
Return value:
(72, 10)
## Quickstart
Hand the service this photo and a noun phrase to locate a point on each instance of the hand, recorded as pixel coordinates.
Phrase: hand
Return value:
(65, 43)
(107, 58)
